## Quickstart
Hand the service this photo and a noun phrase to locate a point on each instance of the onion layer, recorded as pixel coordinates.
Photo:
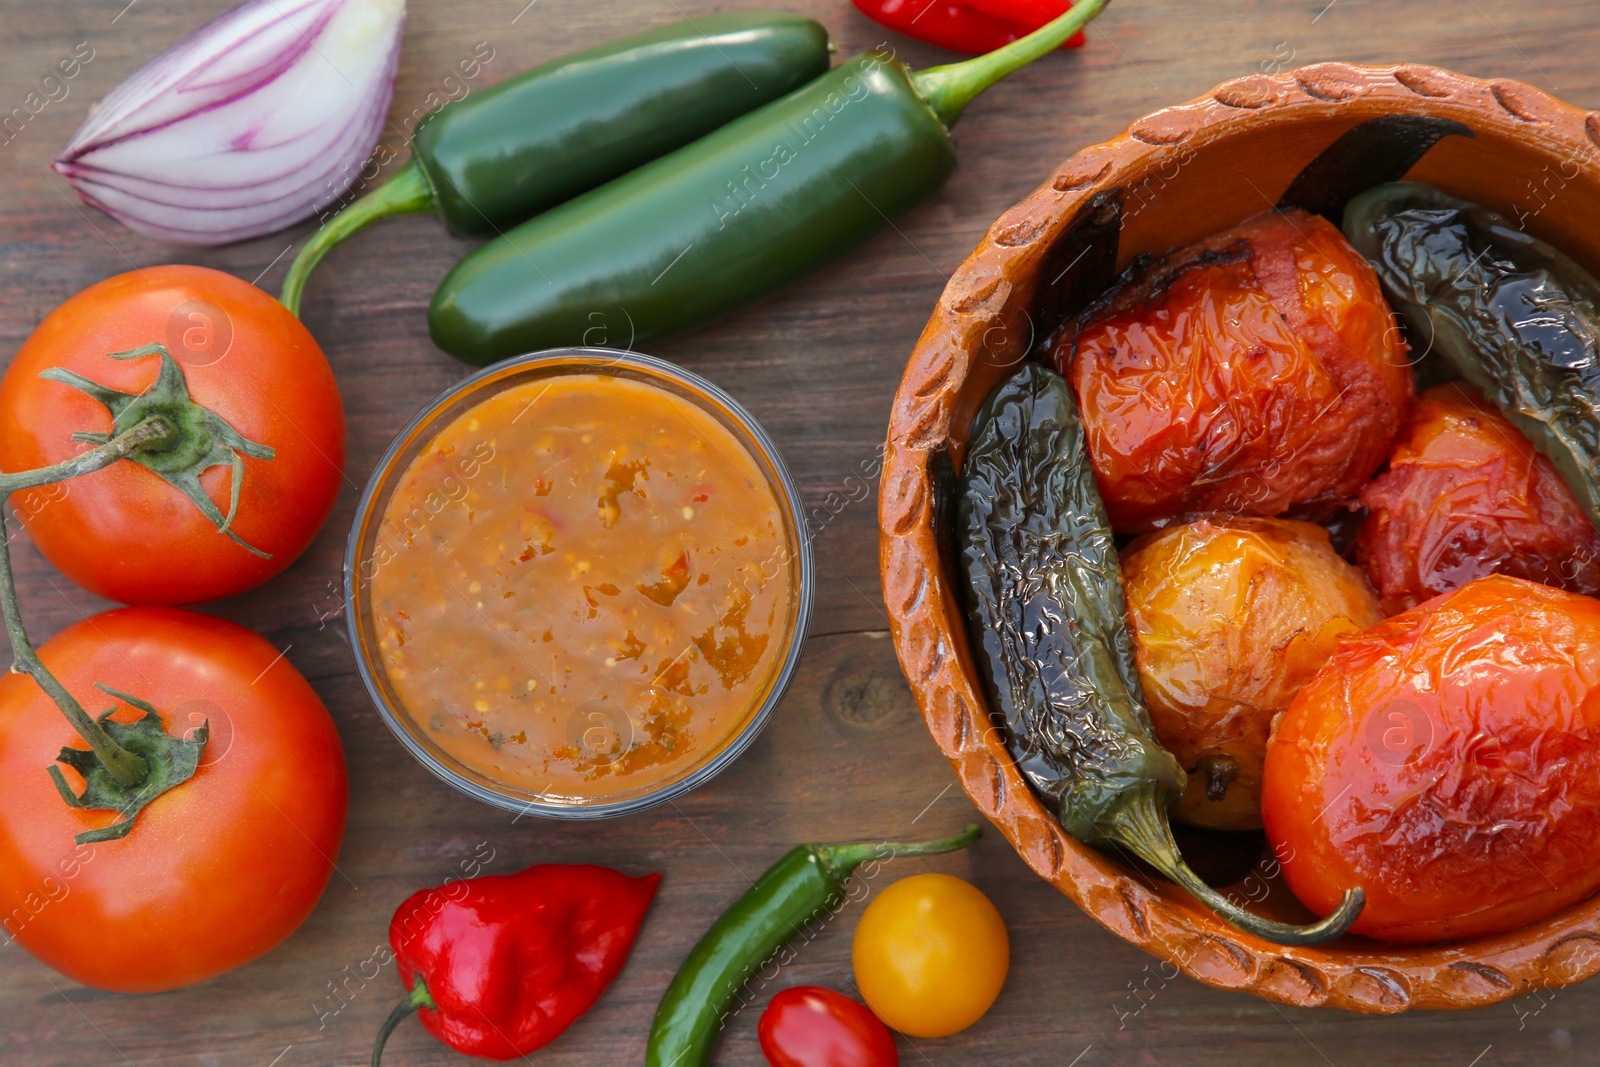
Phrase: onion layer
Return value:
(255, 121)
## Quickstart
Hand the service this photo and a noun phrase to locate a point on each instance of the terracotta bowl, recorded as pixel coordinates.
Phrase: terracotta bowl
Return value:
(1313, 137)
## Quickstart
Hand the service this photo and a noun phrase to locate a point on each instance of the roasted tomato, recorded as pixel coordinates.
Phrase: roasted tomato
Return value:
(1447, 760)
(1231, 617)
(1467, 495)
(1253, 372)
(218, 869)
(126, 534)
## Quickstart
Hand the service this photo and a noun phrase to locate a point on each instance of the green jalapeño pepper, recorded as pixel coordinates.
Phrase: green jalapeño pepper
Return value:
(492, 159)
(1044, 596)
(798, 892)
(760, 203)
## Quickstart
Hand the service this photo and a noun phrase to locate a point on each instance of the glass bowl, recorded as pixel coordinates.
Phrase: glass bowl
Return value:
(362, 561)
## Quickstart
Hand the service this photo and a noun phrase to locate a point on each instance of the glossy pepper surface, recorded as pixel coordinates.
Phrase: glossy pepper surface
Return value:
(1515, 316)
(1252, 372)
(1045, 602)
(501, 965)
(1448, 759)
(972, 26)
(794, 897)
(718, 224)
(493, 158)
(1467, 495)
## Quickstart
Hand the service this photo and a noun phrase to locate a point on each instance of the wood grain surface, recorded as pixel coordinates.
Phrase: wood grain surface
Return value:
(846, 756)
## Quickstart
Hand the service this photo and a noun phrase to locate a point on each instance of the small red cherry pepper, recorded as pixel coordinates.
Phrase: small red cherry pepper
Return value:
(501, 965)
(972, 26)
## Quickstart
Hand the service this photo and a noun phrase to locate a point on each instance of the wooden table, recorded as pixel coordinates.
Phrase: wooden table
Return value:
(846, 756)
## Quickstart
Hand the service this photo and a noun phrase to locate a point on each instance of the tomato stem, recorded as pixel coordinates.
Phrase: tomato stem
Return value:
(152, 434)
(129, 769)
(163, 429)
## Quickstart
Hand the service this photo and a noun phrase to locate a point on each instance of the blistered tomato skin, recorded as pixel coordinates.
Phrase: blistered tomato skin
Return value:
(1231, 616)
(1467, 495)
(1254, 372)
(1448, 760)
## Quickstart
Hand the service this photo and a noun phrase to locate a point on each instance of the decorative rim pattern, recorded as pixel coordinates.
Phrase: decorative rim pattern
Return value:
(981, 298)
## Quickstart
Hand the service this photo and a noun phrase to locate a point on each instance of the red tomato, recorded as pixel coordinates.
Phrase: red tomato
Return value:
(122, 532)
(1467, 495)
(809, 1026)
(1253, 372)
(1448, 761)
(217, 870)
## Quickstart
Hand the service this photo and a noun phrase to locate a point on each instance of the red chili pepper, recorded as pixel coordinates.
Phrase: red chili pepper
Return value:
(501, 965)
(973, 26)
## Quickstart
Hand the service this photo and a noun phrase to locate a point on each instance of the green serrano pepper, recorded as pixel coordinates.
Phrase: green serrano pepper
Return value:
(1514, 316)
(1044, 596)
(802, 888)
(492, 159)
(760, 203)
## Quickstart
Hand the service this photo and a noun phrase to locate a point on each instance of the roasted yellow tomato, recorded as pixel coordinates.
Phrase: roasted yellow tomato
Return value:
(1231, 617)
(930, 955)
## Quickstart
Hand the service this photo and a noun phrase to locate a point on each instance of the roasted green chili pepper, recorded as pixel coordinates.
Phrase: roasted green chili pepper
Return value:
(802, 888)
(1516, 317)
(740, 213)
(495, 158)
(1044, 595)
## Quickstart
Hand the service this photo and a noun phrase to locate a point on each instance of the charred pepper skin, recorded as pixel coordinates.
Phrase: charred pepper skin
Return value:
(760, 203)
(1048, 609)
(1046, 606)
(1516, 317)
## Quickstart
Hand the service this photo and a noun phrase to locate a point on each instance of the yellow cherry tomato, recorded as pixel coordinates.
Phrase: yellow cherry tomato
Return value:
(930, 955)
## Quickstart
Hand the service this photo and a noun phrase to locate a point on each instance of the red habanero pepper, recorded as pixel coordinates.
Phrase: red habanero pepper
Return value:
(972, 26)
(501, 965)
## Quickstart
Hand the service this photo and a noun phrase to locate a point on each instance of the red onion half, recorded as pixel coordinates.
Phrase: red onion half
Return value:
(255, 121)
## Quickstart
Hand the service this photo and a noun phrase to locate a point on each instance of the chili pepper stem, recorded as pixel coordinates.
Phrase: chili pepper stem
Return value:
(408, 192)
(949, 89)
(840, 860)
(417, 998)
(1140, 823)
(128, 768)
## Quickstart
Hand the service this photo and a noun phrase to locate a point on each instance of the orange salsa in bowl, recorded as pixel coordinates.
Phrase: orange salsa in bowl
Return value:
(578, 584)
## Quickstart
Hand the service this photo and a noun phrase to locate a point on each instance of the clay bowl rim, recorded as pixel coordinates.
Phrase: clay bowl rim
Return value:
(1359, 975)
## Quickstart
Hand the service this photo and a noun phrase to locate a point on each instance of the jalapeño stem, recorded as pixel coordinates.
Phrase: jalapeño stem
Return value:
(126, 767)
(1140, 824)
(840, 860)
(406, 193)
(949, 89)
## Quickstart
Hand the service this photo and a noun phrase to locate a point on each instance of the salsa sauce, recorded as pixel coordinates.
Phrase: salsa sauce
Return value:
(585, 587)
